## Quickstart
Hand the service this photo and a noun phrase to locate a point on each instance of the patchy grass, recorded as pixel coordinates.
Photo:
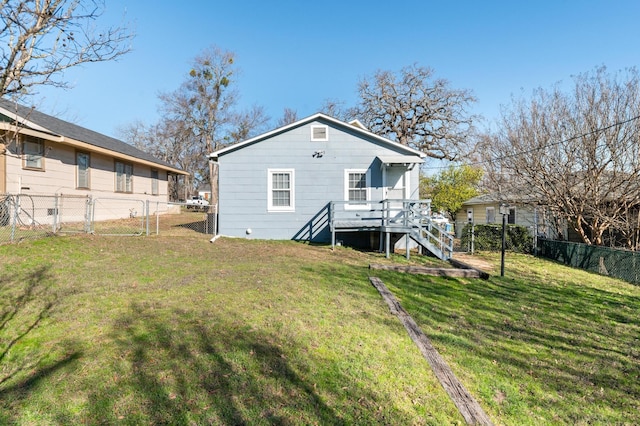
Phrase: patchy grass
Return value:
(172, 329)
(545, 344)
(167, 330)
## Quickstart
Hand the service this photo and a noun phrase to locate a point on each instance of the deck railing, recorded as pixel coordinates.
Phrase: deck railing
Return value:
(355, 214)
(412, 217)
(429, 233)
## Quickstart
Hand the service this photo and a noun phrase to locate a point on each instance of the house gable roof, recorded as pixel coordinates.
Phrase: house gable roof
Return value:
(65, 132)
(497, 198)
(354, 126)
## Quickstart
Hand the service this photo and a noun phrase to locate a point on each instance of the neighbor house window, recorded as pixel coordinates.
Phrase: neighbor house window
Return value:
(511, 219)
(82, 162)
(33, 152)
(124, 177)
(154, 182)
(281, 193)
(319, 133)
(491, 214)
(356, 188)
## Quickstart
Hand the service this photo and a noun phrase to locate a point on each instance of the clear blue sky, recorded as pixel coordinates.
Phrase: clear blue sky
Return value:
(296, 54)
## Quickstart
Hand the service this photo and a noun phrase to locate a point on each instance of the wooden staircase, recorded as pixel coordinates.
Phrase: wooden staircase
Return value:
(409, 217)
(430, 235)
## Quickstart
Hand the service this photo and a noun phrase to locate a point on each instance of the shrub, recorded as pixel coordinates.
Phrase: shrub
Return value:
(489, 237)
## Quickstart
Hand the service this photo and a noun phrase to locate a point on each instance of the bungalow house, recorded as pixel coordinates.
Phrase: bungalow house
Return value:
(316, 178)
(485, 209)
(205, 192)
(43, 155)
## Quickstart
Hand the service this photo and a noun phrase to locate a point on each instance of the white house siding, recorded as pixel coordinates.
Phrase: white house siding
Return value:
(319, 179)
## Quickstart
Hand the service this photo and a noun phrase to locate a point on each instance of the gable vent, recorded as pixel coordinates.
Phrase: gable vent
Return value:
(319, 133)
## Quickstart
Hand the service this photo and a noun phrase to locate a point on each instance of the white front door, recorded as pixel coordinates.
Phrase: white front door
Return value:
(396, 183)
(396, 187)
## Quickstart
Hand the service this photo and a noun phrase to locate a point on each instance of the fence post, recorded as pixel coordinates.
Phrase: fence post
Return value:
(147, 208)
(55, 214)
(473, 236)
(14, 219)
(87, 215)
(504, 243)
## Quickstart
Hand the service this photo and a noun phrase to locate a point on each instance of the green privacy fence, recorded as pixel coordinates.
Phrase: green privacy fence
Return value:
(623, 264)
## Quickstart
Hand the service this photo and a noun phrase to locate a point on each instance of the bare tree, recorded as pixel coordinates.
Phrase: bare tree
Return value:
(39, 40)
(415, 109)
(577, 152)
(288, 116)
(338, 109)
(171, 142)
(203, 104)
(199, 118)
(247, 123)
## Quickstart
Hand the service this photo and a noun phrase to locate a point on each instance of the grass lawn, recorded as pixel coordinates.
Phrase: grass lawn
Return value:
(546, 344)
(172, 329)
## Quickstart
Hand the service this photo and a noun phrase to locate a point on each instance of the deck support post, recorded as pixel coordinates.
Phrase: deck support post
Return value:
(388, 243)
(406, 242)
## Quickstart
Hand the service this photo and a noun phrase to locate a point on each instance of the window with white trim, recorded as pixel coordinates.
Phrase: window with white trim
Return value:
(357, 188)
(124, 177)
(319, 133)
(82, 175)
(281, 190)
(154, 182)
(491, 215)
(33, 153)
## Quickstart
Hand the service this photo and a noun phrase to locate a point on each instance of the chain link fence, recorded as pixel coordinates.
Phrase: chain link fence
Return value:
(36, 216)
(618, 263)
(183, 216)
(31, 216)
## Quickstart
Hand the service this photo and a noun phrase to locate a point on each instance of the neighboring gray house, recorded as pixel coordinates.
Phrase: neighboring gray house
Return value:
(293, 182)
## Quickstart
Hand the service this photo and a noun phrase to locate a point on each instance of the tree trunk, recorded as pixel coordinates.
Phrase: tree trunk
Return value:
(213, 177)
(580, 229)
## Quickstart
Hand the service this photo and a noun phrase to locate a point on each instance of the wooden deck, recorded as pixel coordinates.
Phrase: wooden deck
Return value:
(409, 217)
(357, 225)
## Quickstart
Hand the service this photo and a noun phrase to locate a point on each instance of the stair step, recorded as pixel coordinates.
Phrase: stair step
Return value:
(424, 242)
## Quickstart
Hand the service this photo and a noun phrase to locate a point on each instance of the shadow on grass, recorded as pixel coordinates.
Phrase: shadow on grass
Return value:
(177, 367)
(555, 347)
(26, 301)
(198, 226)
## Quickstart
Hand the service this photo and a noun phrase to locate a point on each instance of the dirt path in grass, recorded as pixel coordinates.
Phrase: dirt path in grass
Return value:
(473, 261)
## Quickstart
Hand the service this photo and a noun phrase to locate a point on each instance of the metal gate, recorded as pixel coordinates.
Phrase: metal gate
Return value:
(118, 216)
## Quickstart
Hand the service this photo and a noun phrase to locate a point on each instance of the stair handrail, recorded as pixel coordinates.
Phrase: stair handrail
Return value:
(424, 225)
